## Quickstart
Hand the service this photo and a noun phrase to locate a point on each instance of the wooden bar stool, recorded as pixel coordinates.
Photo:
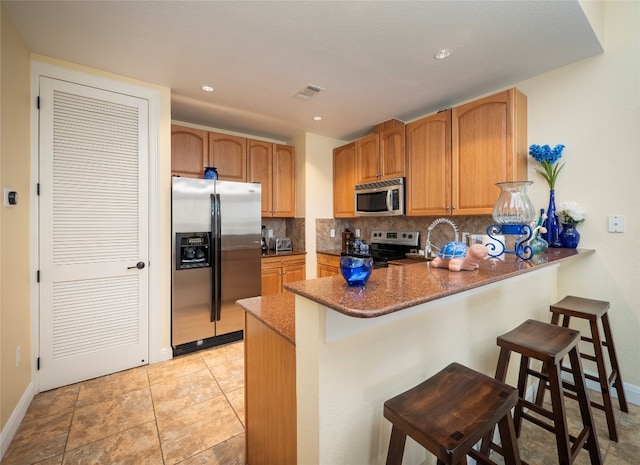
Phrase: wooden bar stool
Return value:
(449, 413)
(593, 311)
(550, 344)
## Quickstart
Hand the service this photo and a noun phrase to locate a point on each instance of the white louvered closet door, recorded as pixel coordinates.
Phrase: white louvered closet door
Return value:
(93, 232)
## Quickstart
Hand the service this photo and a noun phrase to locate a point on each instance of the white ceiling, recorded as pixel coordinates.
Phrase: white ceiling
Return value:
(373, 58)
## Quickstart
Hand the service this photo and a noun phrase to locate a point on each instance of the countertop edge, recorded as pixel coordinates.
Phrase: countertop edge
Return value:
(336, 295)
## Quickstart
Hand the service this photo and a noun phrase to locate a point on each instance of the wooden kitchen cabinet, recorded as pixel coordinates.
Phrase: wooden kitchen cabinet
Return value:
(284, 187)
(488, 144)
(344, 180)
(273, 166)
(428, 144)
(381, 155)
(280, 270)
(328, 265)
(229, 156)
(189, 151)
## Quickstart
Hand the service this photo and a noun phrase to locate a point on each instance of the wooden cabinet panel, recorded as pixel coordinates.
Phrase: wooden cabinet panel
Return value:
(280, 270)
(270, 395)
(344, 180)
(260, 170)
(284, 174)
(328, 265)
(367, 159)
(392, 152)
(428, 144)
(189, 151)
(488, 146)
(229, 155)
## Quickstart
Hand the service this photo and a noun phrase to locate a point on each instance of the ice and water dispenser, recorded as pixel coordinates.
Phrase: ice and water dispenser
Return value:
(193, 250)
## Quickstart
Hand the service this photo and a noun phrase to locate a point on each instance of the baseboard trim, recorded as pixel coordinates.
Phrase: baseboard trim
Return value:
(11, 428)
(166, 353)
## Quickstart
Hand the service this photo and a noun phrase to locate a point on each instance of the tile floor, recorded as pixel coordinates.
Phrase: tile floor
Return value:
(190, 411)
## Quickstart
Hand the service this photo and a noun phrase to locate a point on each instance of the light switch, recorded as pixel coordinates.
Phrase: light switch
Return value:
(616, 223)
(332, 233)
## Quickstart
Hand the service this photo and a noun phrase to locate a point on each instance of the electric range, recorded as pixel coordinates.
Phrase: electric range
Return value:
(390, 245)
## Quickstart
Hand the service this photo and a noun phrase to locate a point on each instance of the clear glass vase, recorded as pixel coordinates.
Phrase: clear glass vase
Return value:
(514, 206)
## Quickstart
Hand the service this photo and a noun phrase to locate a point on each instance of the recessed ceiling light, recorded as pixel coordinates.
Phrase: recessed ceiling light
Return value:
(207, 88)
(317, 118)
(442, 54)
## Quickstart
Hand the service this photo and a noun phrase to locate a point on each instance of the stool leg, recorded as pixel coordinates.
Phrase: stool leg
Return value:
(509, 440)
(542, 385)
(522, 392)
(396, 447)
(501, 374)
(559, 418)
(614, 363)
(604, 382)
(585, 407)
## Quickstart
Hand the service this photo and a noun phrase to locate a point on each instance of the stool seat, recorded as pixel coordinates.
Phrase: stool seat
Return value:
(549, 344)
(541, 341)
(593, 311)
(450, 412)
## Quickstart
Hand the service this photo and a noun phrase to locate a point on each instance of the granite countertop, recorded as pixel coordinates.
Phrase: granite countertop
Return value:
(272, 253)
(277, 311)
(396, 288)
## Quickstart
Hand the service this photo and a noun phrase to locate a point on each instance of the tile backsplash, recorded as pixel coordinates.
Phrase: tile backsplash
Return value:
(293, 228)
(439, 236)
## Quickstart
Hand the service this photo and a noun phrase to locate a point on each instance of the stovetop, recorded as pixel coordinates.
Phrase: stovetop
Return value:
(390, 245)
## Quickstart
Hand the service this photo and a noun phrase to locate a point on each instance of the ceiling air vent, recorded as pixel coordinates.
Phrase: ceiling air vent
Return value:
(308, 91)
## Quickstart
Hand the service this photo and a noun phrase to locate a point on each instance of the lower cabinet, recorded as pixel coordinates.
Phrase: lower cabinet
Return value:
(270, 395)
(328, 265)
(280, 270)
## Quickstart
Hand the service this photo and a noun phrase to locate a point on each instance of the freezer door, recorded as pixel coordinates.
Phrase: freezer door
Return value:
(240, 227)
(191, 306)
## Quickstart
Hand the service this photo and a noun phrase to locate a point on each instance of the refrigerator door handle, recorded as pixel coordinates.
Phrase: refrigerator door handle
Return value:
(216, 239)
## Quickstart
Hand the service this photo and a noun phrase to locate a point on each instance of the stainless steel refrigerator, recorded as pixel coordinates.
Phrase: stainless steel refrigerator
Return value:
(215, 260)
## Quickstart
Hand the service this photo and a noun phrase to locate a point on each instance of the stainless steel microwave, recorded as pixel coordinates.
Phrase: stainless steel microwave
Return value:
(381, 198)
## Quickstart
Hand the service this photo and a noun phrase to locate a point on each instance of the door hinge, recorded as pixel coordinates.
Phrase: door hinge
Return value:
(38, 102)
(37, 188)
(38, 363)
(38, 276)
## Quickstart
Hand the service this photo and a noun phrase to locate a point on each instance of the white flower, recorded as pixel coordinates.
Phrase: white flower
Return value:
(570, 212)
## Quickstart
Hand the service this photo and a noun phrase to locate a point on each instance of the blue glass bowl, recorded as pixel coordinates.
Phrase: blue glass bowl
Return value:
(356, 270)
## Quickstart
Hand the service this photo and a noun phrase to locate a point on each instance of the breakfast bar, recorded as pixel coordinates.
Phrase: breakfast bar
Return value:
(355, 347)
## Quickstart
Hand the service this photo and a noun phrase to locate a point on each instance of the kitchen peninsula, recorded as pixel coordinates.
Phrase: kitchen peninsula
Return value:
(357, 347)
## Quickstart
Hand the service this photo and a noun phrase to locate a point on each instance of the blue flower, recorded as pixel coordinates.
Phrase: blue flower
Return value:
(548, 157)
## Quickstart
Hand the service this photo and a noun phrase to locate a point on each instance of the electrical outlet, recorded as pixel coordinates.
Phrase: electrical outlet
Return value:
(270, 232)
(332, 233)
(616, 223)
(357, 232)
(18, 356)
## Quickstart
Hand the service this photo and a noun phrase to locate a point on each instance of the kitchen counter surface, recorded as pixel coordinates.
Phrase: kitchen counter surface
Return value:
(399, 287)
(277, 311)
(272, 253)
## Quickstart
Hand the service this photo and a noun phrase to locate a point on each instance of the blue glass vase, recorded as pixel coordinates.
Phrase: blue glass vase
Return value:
(552, 236)
(356, 270)
(569, 236)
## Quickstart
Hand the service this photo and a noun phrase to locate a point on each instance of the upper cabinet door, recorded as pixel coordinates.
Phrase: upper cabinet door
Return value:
(367, 159)
(488, 146)
(428, 144)
(391, 153)
(260, 169)
(189, 151)
(228, 154)
(284, 187)
(344, 179)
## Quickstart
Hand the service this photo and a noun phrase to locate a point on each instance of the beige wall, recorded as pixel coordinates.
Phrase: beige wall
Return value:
(14, 221)
(314, 187)
(593, 107)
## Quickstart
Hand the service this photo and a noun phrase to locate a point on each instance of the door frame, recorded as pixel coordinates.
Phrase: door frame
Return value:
(38, 69)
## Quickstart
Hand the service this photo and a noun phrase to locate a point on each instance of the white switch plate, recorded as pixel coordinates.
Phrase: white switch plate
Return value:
(357, 232)
(616, 223)
(332, 233)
